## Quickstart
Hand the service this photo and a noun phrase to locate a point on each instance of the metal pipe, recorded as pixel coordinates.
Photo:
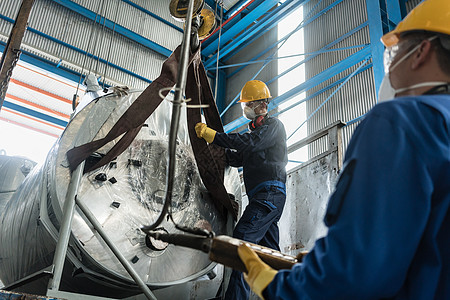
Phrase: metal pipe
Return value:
(98, 227)
(176, 110)
(65, 229)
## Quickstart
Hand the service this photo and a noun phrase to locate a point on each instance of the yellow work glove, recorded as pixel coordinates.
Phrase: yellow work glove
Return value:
(259, 274)
(203, 131)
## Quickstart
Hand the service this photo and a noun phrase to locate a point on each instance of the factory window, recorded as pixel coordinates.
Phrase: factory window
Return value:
(20, 141)
(292, 73)
(32, 117)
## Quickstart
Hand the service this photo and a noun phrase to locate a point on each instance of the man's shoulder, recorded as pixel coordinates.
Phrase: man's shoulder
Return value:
(273, 120)
(404, 108)
(425, 120)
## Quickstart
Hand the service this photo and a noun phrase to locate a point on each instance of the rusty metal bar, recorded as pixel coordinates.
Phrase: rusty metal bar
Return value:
(12, 50)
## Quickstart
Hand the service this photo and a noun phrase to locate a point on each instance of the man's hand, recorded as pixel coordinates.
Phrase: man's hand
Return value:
(259, 274)
(203, 131)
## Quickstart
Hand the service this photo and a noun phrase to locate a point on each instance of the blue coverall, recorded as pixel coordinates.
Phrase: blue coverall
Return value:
(263, 155)
(389, 217)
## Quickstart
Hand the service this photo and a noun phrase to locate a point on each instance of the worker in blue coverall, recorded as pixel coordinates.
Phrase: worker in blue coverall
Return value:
(262, 153)
(389, 217)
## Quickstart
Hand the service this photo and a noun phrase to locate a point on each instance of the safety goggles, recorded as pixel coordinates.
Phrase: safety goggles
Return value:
(251, 104)
(390, 53)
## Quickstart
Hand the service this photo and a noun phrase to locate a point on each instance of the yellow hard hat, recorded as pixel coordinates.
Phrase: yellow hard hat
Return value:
(430, 15)
(254, 90)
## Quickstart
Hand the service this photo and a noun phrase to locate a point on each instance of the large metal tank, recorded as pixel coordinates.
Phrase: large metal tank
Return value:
(13, 170)
(123, 195)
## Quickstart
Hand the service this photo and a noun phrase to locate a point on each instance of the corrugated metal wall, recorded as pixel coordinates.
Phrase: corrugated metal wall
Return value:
(411, 4)
(358, 95)
(70, 27)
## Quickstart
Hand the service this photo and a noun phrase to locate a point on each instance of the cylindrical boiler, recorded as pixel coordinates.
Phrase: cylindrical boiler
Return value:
(123, 195)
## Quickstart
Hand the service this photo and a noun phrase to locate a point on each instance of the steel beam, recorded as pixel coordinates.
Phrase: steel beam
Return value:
(221, 90)
(267, 23)
(332, 85)
(34, 113)
(12, 50)
(394, 13)
(376, 47)
(46, 65)
(231, 21)
(117, 28)
(38, 106)
(325, 75)
(253, 15)
(288, 35)
(235, 8)
(77, 50)
(357, 28)
(347, 79)
(152, 15)
(319, 78)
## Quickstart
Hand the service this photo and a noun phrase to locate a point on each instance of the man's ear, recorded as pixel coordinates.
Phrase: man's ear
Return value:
(422, 55)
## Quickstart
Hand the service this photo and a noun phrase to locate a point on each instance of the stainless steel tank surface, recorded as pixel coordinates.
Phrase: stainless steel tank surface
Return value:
(123, 195)
(13, 170)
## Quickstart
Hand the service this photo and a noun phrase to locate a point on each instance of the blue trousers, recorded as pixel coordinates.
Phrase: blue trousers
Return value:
(257, 225)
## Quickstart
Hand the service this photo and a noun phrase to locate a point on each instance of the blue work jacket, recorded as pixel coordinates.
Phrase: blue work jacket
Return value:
(389, 218)
(262, 153)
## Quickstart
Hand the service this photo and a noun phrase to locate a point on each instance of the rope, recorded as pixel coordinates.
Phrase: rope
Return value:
(102, 36)
(86, 55)
(218, 49)
(110, 44)
(98, 35)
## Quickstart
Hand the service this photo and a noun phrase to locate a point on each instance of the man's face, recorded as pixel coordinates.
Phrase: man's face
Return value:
(392, 55)
(254, 108)
(396, 61)
(258, 106)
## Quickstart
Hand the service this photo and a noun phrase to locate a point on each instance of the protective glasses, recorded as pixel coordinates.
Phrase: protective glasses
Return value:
(251, 104)
(390, 53)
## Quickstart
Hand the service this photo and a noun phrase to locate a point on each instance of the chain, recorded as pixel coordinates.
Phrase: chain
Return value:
(4, 85)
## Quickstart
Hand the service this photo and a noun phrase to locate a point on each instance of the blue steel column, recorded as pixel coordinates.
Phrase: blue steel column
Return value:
(394, 12)
(376, 32)
(221, 90)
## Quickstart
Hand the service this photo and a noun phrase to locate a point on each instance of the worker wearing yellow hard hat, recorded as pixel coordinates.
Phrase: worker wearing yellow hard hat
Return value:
(262, 154)
(423, 21)
(389, 216)
(254, 90)
(432, 16)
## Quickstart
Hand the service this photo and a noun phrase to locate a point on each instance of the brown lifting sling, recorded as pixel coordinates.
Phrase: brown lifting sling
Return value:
(210, 159)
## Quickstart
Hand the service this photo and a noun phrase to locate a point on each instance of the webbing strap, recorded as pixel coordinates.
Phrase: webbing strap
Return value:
(210, 159)
(132, 120)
